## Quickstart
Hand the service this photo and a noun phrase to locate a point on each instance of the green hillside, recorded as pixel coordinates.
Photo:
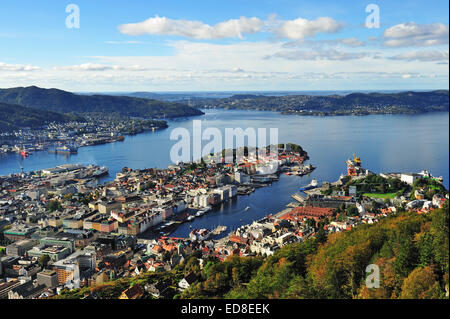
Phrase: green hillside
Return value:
(66, 102)
(15, 116)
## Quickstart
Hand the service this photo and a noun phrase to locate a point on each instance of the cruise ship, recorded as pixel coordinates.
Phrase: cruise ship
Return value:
(311, 185)
(101, 171)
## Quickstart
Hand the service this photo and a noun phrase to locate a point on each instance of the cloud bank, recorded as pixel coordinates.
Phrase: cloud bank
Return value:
(234, 28)
(413, 34)
(194, 29)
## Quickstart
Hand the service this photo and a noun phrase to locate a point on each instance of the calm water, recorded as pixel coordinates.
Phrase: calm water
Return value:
(385, 143)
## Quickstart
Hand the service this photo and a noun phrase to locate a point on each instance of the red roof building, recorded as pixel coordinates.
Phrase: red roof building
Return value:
(298, 213)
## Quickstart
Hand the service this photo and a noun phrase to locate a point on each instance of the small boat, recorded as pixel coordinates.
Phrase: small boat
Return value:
(199, 213)
(191, 217)
(247, 208)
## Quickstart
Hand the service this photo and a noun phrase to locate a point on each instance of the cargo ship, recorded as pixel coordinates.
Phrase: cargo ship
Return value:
(64, 150)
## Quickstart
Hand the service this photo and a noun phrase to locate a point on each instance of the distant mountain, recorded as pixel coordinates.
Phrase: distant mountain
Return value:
(66, 102)
(355, 103)
(14, 116)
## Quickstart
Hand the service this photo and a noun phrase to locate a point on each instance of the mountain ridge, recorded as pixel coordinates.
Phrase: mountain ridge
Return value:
(66, 102)
(13, 116)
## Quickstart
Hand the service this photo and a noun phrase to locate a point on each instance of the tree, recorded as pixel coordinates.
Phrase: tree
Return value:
(426, 250)
(440, 231)
(54, 205)
(420, 284)
(43, 260)
(352, 211)
(321, 236)
(406, 256)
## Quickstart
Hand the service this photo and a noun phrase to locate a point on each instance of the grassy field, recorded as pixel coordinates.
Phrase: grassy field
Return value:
(384, 196)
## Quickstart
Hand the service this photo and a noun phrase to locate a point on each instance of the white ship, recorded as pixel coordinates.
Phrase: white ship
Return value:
(199, 213)
(101, 171)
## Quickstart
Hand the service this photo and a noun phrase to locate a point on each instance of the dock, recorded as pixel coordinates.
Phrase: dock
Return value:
(299, 197)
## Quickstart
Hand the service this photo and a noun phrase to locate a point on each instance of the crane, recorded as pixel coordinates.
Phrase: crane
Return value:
(357, 160)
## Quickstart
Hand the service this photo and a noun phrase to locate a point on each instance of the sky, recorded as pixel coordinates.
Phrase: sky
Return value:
(252, 45)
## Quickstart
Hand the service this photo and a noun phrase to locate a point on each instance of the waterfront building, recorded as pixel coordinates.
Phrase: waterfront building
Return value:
(241, 177)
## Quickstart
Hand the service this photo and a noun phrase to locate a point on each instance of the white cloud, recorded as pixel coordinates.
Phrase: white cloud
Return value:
(235, 28)
(320, 44)
(334, 55)
(17, 67)
(351, 42)
(425, 56)
(302, 28)
(99, 67)
(239, 65)
(123, 42)
(413, 34)
(194, 29)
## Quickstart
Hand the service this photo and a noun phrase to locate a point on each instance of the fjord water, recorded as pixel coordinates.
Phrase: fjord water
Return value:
(385, 143)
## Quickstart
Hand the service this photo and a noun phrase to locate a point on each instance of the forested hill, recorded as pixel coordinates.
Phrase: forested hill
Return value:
(67, 102)
(411, 251)
(13, 117)
(355, 103)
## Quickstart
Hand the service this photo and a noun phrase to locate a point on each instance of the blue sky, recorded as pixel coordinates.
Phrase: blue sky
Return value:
(224, 45)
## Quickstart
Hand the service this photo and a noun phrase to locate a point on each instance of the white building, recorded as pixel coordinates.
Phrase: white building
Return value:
(409, 178)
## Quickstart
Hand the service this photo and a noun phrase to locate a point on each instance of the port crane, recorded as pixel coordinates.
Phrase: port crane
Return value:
(357, 160)
(353, 165)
